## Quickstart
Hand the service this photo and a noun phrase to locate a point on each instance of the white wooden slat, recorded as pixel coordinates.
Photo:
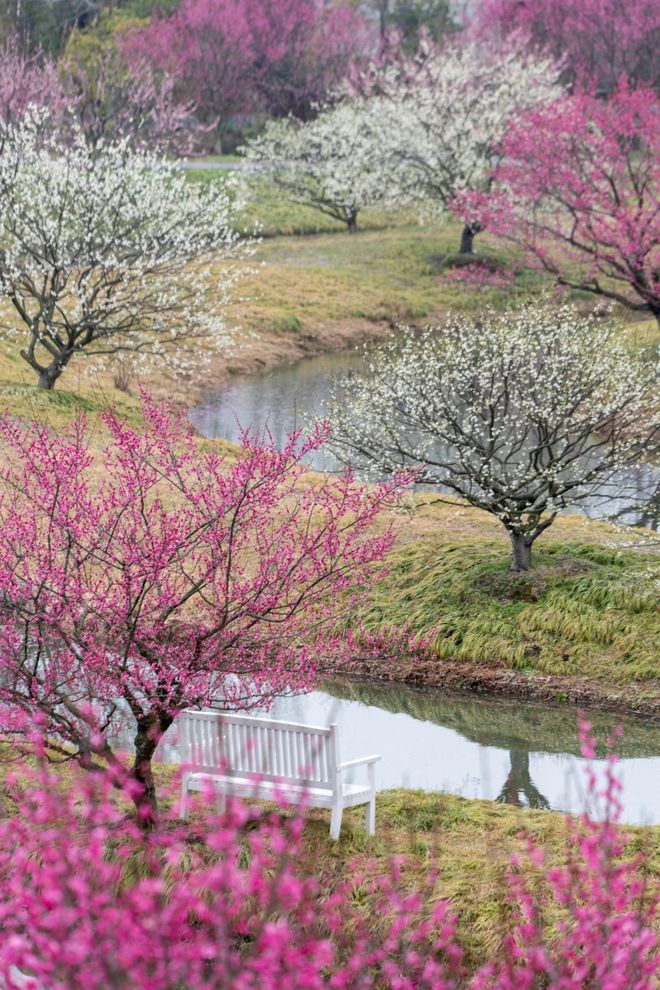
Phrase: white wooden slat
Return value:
(249, 720)
(271, 753)
(261, 750)
(244, 760)
(194, 748)
(251, 744)
(267, 737)
(311, 767)
(293, 756)
(302, 769)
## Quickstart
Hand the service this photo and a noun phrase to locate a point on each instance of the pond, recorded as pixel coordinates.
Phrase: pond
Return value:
(522, 754)
(285, 398)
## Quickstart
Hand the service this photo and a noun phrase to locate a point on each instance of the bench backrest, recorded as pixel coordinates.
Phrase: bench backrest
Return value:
(239, 744)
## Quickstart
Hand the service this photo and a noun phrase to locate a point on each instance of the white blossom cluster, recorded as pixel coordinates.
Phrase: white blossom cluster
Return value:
(443, 112)
(522, 413)
(330, 163)
(420, 130)
(108, 250)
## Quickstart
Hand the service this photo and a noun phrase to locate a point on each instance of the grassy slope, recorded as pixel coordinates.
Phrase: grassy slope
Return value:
(470, 843)
(589, 611)
(300, 290)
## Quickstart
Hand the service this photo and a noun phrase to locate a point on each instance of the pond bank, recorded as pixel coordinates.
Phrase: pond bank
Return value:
(582, 627)
(497, 681)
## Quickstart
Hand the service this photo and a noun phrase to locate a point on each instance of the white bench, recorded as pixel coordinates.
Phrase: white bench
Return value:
(271, 760)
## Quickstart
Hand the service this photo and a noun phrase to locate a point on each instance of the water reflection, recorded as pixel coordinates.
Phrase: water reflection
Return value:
(519, 789)
(281, 400)
(522, 754)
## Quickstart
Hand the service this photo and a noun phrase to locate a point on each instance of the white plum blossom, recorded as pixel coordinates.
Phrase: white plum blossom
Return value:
(330, 163)
(441, 113)
(521, 414)
(108, 251)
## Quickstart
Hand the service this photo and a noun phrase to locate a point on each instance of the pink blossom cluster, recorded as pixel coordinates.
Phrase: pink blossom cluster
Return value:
(479, 275)
(237, 56)
(28, 80)
(119, 95)
(597, 41)
(89, 901)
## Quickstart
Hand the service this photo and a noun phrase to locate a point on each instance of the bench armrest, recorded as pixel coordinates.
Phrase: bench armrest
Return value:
(359, 762)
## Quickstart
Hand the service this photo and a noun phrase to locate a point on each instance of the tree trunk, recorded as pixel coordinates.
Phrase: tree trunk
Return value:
(467, 239)
(48, 376)
(655, 309)
(150, 730)
(351, 222)
(522, 552)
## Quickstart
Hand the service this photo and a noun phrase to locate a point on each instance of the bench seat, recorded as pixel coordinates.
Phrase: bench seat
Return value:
(272, 760)
(272, 790)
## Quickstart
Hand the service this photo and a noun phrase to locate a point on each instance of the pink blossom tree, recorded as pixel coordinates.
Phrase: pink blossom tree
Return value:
(152, 577)
(115, 93)
(238, 56)
(598, 41)
(578, 187)
(28, 80)
(106, 92)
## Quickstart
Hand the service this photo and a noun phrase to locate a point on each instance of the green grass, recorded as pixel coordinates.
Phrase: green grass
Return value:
(587, 611)
(380, 276)
(469, 844)
(392, 269)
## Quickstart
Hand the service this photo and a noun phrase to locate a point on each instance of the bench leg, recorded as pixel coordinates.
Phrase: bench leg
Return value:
(335, 821)
(371, 816)
(183, 809)
(220, 802)
(371, 807)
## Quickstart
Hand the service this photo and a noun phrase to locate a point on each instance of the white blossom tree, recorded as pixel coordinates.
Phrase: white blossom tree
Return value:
(107, 250)
(521, 414)
(328, 163)
(440, 116)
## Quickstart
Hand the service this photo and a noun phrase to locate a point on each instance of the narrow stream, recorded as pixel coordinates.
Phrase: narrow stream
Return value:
(285, 398)
(522, 754)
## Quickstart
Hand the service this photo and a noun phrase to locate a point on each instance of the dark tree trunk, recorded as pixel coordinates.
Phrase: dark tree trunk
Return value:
(48, 376)
(655, 309)
(351, 223)
(522, 552)
(149, 733)
(468, 235)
